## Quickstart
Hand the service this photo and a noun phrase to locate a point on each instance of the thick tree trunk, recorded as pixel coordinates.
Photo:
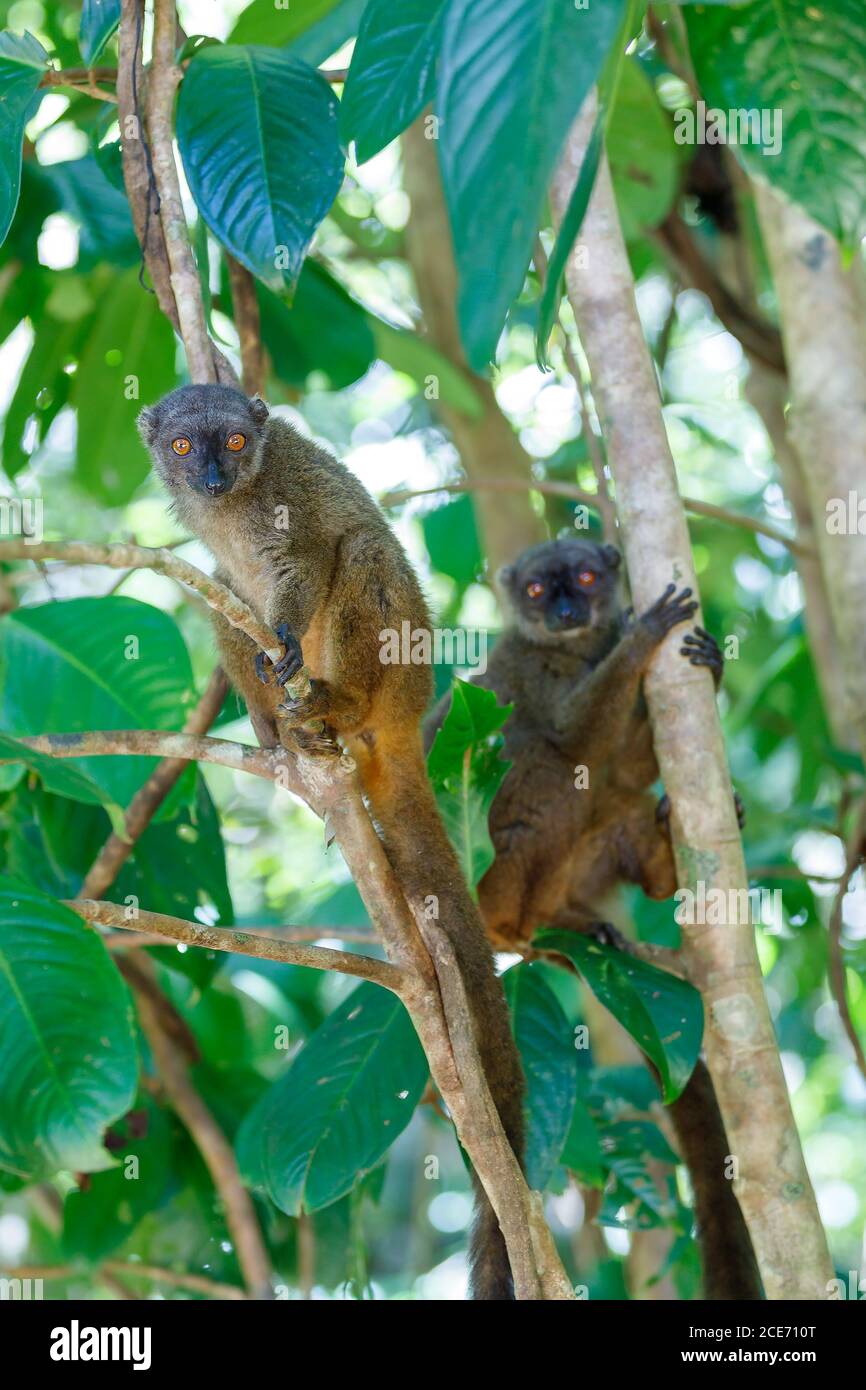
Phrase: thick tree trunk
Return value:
(823, 313)
(772, 1183)
(488, 446)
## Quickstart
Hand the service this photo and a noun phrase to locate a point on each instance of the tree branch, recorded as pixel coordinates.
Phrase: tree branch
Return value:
(855, 852)
(245, 306)
(241, 943)
(773, 1185)
(578, 494)
(194, 1283)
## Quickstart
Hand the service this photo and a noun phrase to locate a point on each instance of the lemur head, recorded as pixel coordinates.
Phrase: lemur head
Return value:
(207, 438)
(559, 589)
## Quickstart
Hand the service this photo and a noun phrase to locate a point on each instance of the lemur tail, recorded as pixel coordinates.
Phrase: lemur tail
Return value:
(425, 862)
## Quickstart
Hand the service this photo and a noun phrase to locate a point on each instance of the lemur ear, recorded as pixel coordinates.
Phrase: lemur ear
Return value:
(505, 576)
(258, 409)
(612, 556)
(147, 423)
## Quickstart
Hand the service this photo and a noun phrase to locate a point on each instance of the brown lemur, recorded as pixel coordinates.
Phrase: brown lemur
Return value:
(302, 542)
(574, 816)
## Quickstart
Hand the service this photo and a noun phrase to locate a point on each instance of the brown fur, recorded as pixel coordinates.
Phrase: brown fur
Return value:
(300, 539)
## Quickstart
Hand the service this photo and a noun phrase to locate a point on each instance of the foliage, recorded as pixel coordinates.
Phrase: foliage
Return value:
(341, 1138)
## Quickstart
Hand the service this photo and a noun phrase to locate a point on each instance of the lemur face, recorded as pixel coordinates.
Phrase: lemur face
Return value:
(561, 588)
(206, 438)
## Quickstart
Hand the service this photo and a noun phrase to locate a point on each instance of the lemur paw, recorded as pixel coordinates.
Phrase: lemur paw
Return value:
(663, 813)
(606, 934)
(740, 809)
(321, 741)
(702, 649)
(667, 611)
(302, 709)
(288, 665)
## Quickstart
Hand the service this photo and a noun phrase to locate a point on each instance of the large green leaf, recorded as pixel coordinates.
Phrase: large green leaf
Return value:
(803, 67)
(351, 1090)
(257, 130)
(68, 1064)
(323, 330)
(101, 210)
(101, 1215)
(663, 1013)
(263, 22)
(94, 663)
(99, 19)
(644, 158)
(393, 71)
(546, 1045)
(453, 544)
(128, 358)
(22, 63)
(466, 768)
(512, 77)
(60, 776)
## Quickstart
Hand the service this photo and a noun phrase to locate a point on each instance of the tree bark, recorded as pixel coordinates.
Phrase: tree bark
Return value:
(773, 1185)
(823, 314)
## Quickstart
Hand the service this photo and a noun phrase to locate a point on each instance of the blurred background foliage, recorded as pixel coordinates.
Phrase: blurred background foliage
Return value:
(350, 367)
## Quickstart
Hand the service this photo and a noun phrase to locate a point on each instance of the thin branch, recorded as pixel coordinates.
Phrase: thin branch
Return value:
(603, 499)
(151, 796)
(247, 320)
(133, 940)
(272, 763)
(82, 80)
(242, 943)
(194, 1283)
(162, 85)
(578, 494)
(856, 850)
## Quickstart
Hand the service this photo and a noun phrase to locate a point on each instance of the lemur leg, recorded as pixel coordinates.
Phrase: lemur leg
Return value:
(238, 655)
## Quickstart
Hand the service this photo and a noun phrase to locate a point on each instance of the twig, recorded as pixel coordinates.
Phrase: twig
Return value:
(156, 743)
(133, 940)
(578, 494)
(162, 85)
(195, 1283)
(82, 80)
(242, 943)
(151, 796)
(248, 324)
(856, 849)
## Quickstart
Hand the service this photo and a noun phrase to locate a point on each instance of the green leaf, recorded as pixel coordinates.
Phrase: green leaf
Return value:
(68, 1064)
(512, 77)
(71, 667)
(578, 203)
(42, 391)
(451, 537)
(351, 1090)
(663, 1013)
(262, 22)
(99, 19)
(546, 1045)
(22, 63)
(63, 777)
(128, 358)
(582, 1153)
(323, 330)
(100, 209)
(393, 72)
(98, 1218)
(434, 374)
(265, 165)
(803, 68)
(643, 156)
(466, 769)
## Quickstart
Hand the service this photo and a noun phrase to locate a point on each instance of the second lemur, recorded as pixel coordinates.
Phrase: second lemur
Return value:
(298, 537)
(575, 816)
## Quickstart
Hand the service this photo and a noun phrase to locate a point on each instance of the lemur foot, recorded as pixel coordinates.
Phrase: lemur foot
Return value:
(302, 709)
(606, 934)
(321, 741)
(667, 611)
(702, 649)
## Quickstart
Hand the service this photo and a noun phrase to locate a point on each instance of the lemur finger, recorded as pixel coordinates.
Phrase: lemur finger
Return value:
(263, 663)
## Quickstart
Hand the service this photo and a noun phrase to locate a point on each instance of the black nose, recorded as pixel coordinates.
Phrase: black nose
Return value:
(215, 487)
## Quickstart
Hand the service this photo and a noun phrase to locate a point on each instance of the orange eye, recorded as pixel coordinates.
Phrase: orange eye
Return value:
(236, 442)
(181, 446)
(535, 589)
(586, 578)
